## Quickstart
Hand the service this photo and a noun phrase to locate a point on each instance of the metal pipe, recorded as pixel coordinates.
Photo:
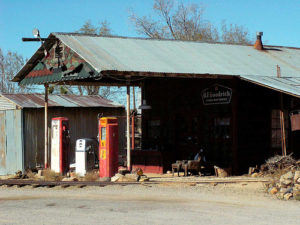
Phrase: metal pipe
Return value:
(128, 128)
(46, 127)
(38, 39)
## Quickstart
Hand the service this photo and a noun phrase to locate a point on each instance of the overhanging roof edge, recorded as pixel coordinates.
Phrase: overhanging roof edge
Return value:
(31, 63)
(264, 84)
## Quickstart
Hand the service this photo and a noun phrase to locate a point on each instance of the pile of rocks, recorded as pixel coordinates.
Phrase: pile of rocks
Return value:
(288, 186)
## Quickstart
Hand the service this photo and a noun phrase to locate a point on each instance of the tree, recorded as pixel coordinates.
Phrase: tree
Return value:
(181, 21)
(102, 30)
(10, 64)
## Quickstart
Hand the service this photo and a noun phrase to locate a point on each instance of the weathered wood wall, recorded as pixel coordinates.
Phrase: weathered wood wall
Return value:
(179, 123)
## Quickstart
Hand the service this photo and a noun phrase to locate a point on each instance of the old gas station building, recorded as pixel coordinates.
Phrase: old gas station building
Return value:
(231, 100)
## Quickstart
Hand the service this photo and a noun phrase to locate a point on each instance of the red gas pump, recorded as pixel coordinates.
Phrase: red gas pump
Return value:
(108, 146)
(60, 145)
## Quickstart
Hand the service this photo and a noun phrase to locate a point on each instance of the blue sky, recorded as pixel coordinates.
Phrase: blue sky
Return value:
(278, 19)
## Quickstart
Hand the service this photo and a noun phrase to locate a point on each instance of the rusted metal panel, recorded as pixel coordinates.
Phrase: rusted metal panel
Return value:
(33, 137)
(5, 104)
(2, 144)
(37, 101)
(83, 124)
(169, 56)
(14, 145)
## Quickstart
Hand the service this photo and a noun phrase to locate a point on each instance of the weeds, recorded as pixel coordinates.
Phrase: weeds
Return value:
(50, 175)
(91, 176)
(30, 174)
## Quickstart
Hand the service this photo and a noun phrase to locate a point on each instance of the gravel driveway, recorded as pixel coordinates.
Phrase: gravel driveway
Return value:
(146, 204)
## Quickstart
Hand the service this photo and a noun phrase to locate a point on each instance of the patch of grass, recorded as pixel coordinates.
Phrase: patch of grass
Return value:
(30, 174)
(50, 175)
(91, 176)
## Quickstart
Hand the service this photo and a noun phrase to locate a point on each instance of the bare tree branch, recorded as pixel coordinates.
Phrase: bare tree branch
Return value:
(185, 22)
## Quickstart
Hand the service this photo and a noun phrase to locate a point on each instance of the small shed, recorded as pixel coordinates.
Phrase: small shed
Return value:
(22, 125)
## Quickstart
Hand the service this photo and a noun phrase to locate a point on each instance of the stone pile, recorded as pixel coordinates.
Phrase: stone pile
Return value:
(288, 186)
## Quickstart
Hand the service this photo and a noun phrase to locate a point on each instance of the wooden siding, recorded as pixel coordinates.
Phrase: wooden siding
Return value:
(179, 123)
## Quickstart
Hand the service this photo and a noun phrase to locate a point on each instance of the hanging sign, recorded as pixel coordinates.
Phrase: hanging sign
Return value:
(216, 94)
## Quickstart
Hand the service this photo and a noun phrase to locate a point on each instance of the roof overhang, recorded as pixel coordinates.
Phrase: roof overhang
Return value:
(287, 85)
(96, 60)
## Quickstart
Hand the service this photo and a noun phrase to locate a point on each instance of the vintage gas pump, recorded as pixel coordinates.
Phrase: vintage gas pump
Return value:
(108, 146)
(60, 145)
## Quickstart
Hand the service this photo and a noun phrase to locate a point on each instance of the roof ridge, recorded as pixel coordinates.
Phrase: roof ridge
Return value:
(174, 40)
(145, 38)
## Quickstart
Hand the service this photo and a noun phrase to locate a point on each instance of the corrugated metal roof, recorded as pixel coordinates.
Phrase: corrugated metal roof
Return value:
(288, 85)
(168, 56)
(37, 101)
(6, 104)
(181, 57)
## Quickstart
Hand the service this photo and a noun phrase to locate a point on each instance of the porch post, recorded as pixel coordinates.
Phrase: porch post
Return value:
(234, 125)
(46, 127)
(282, 128)
(132, 120)
(128, 128)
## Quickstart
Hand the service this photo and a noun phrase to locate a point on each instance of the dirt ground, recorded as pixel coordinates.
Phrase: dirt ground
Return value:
(170, 203)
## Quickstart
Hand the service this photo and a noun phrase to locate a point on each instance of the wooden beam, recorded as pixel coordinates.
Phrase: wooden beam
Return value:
(165, 75)
(46, 127)
(96, 83)
(282, 127)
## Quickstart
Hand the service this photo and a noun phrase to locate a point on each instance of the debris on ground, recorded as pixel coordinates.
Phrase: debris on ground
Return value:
(279, 163)
(285, 173)
(135, 175)
(222, 172)
(287, 186)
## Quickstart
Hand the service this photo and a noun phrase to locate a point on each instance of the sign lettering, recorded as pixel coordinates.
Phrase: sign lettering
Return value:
(216, 94)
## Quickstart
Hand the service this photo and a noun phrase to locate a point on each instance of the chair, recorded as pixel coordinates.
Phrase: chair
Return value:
(192, 166)
(178, 166)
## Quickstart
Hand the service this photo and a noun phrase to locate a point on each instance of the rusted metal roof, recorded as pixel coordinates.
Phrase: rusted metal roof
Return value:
(178, 57)
(168, 56)
(37, 101)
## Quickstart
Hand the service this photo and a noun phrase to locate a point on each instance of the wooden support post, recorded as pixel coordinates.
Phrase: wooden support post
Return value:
(128, 128)
(132, 131)
(133, 98)
(132, 120)
(46, 127)
(234, 126)
(282, 127)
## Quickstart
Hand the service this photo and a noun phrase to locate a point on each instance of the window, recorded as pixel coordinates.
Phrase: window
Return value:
(103, 133)
(276, 130)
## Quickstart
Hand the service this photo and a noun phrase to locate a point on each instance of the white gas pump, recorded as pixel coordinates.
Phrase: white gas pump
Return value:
(86, 155)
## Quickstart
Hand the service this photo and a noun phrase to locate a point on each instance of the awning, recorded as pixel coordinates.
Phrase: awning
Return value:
(287, 85)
